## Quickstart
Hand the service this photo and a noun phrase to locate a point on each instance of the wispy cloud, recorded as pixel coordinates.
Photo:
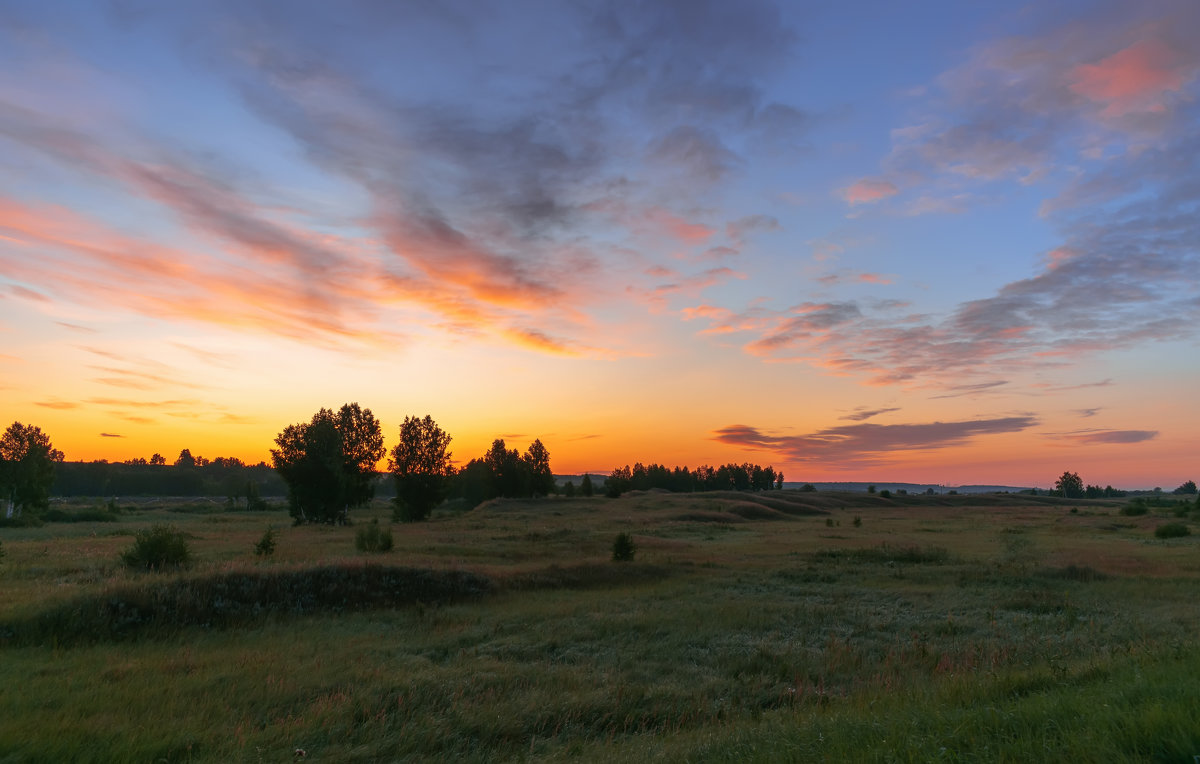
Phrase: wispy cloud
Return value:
(861, 415)
(485, 217)
(861, 444)
(1105, 437)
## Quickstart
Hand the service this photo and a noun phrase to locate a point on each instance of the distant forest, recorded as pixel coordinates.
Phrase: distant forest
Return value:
(230, 478)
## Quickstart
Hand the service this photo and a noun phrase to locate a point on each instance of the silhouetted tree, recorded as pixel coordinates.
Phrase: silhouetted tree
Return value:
(569, 490)
(421, 467)
(473, 483)
(329, 463)
(509, 475)
(537, 465)
(185, 459)
(158, 460)
(1070, 486)
(585, 486)
(27, 460)
(1187, 488)
(618, 482)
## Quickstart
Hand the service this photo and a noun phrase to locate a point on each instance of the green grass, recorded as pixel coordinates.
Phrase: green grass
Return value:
(1026, 633)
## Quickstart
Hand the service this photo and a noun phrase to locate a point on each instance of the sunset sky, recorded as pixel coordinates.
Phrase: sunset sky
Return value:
(944, 242)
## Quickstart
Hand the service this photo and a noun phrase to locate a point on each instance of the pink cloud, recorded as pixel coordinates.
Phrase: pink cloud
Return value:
(1135, 79)
(868, 191)
(684, 230)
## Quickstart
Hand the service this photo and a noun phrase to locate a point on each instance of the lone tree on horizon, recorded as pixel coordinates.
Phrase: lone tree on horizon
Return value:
(420, 465)
(329, 463)
(1070, 486)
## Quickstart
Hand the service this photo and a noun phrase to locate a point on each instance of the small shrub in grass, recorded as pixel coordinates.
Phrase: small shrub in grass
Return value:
(265, 546)
(157, 547)
(373, 538)
(1134, 509)
(1172, 531)
(885, 493)
(623, 548)
(857, 521)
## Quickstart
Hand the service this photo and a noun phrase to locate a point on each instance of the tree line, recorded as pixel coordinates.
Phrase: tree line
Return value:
(727, 477)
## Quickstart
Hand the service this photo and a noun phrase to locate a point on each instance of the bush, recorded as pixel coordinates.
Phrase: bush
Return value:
(808, 488)
(885, 493)
(1172, 531)
(1132, 510)
(857, 521)
(158, 547)
(623, 548)
(265, 546)
(373, 538)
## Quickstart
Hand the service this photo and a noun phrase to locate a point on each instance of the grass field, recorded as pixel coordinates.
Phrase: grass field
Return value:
(750, 627)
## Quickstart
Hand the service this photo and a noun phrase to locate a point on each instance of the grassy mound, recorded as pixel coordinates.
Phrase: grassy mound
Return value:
(157, 607)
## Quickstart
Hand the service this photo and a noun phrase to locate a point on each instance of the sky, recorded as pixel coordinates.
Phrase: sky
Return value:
(940, 242)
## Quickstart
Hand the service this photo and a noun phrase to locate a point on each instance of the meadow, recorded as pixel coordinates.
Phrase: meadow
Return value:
(749, 627)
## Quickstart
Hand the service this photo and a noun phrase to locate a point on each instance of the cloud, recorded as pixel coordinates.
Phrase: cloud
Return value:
(479, 203)
(28, 294)
(699, 155)
(1086, 413)
(1107, 437)
(862, 444)
(868, 191)
(1126, 269)
(861, 414)
(1136, 78)
(110, 435)
(957, 391)
(59, 405)
(738, 230)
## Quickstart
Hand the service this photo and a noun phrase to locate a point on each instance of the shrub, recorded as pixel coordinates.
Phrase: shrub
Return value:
(158, 547)
(265, 546)
(623, 548)
(857, 521)
(373, 538)
(1172, 531)
(1131, 510)
(808, 488)
(885, 493)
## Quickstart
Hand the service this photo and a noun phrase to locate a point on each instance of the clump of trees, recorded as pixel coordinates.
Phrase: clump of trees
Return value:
(27, 461)
(329, 463)
(728, 477)
(506, 473)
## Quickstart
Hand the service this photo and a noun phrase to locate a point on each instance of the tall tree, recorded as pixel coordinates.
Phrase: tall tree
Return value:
(585, 486)
(537, 464)
(27, 460)
(329, 463)
(421, 467)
